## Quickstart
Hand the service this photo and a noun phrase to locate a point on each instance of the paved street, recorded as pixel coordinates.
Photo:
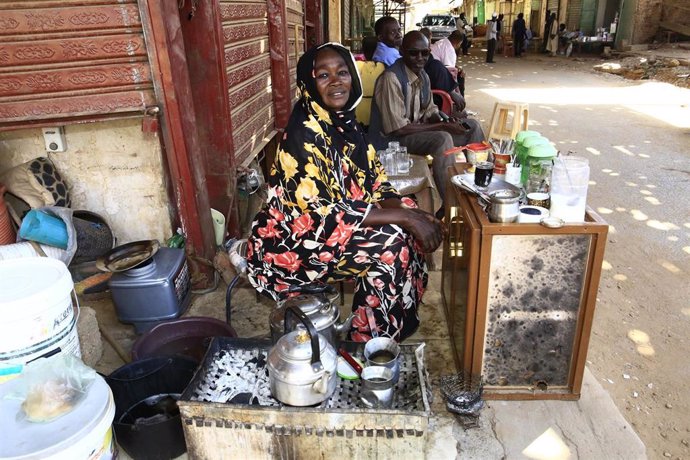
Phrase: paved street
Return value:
(636, 135)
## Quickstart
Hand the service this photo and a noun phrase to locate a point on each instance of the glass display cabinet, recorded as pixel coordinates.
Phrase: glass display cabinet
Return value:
(519, 299)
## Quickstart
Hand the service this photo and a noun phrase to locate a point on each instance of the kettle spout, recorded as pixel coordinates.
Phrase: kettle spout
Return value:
(344, 327)
(321, 385)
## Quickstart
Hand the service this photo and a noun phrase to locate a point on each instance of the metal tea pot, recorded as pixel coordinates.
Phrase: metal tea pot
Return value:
(503, 205)
(319, 303)
(302, 365)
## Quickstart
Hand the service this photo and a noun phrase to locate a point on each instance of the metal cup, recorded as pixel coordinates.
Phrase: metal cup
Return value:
(382, 351)
(377, 387)
(543, 200)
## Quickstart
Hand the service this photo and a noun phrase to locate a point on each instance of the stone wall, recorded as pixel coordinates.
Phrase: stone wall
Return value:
(112, 169)
(647, 18)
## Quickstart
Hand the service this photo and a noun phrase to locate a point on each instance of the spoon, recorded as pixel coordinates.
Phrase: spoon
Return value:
(351, 361)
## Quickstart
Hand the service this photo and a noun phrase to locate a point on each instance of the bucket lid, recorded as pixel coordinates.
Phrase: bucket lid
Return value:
(31, 284)
(41, 440)
(534, 140)
(522, 135)
(478, 146)
(542, 151)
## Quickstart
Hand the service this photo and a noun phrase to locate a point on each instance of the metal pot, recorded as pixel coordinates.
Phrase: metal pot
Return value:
(504, 205)
(302, 365)
(319, 303)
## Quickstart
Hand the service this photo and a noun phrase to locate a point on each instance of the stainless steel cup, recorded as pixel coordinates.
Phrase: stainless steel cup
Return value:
(377, 387)
(382, 351)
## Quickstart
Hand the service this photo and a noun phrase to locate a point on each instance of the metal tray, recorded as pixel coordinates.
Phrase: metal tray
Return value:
(126, 256)
(466, 181)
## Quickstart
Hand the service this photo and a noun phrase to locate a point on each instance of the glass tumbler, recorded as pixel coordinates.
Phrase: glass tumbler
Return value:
(403, 161)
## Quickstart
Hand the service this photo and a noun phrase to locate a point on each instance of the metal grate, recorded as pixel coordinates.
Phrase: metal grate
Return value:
(235, 375)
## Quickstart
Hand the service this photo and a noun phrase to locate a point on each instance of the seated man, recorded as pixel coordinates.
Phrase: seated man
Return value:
(441, 78)
(403, 110)
(389, 35)
(446, 49)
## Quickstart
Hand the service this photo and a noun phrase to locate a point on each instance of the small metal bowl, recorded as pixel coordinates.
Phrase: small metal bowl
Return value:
(552, 222)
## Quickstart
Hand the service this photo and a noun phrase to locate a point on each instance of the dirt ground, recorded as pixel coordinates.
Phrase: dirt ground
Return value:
(636, 135)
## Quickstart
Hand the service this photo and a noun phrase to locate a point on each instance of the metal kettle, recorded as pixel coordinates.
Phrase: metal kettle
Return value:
(319, 303)
(302, 365)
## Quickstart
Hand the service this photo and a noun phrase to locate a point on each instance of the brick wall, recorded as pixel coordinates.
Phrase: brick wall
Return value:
(647, 18)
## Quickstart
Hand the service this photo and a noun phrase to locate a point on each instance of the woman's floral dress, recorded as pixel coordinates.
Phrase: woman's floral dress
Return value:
(324, 181)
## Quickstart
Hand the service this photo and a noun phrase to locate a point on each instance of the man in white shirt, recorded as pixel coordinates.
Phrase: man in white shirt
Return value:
(445, 50)
(491, 38)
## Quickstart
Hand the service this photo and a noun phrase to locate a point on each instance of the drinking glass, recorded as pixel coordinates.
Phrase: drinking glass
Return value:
(403, 161)
(484, 171)
(391, 162)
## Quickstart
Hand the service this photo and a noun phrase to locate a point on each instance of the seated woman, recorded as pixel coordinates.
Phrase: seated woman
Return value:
(331, 214)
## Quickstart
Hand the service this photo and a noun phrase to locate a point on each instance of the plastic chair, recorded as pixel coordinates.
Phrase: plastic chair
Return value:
(508, 119)
(446, 105)
(369, 72)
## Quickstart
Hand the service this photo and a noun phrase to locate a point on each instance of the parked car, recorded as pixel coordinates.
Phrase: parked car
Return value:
(440, 25)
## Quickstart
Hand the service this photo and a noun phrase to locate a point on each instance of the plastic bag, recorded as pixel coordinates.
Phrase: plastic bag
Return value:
(51, 387)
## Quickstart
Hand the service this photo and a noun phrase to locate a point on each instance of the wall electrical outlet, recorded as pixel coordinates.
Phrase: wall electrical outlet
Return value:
(54, 138)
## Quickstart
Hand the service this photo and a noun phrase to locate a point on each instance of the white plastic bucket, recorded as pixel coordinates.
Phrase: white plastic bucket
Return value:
(35, 302)
(83, 433)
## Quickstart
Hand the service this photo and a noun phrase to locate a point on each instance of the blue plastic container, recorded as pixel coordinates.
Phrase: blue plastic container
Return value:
(44, 228)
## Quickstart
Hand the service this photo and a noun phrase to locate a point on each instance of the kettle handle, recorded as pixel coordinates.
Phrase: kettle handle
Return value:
(313, 333)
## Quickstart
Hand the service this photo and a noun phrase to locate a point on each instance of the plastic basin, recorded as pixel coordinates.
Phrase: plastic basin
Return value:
(188, 337)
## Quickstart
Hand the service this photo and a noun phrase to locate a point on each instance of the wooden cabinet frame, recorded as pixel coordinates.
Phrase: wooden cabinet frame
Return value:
(465, 291)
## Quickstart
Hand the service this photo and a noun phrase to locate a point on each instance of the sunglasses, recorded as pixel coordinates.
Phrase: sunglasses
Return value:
(423, 53)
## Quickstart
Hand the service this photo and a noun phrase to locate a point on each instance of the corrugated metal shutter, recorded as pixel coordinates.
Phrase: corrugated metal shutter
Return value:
(66, 59)
(295, 23)
(248, 66)
(573, 15)
(588, 15)
(552, 5)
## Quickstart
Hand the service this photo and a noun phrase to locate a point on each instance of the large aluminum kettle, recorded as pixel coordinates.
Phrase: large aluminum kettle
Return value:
(319, 303)
(302, 365)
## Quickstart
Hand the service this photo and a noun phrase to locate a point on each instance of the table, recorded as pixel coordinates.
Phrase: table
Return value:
(418, 182)
(593, 45)
(519, 299)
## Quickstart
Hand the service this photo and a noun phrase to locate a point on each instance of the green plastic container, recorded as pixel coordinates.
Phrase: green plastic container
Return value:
(536, 154)
(529, 142)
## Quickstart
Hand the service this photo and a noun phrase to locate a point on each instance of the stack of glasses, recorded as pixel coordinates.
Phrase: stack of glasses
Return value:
(395, 159)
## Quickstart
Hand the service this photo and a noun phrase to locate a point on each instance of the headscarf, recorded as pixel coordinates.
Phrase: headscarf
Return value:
(336, 132)
(343, 120)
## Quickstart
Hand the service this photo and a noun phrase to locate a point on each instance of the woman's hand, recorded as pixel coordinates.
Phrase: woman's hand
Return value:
(427, 229)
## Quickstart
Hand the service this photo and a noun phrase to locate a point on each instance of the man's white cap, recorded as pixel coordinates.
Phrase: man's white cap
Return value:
(494, 15)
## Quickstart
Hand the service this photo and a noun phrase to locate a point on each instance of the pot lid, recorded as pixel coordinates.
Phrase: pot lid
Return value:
(296, 345)
(504, 196)
(127, 256)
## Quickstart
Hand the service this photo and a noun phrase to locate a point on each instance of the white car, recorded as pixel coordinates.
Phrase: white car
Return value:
(440, 25)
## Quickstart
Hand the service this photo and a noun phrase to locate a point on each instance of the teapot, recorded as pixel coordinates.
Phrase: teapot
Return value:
(302, 365)
(319, 303)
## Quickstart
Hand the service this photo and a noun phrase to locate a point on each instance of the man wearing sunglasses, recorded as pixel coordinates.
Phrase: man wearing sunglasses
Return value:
(403, 110)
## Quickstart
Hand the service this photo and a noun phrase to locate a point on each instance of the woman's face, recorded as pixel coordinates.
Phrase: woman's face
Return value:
(333, 79)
